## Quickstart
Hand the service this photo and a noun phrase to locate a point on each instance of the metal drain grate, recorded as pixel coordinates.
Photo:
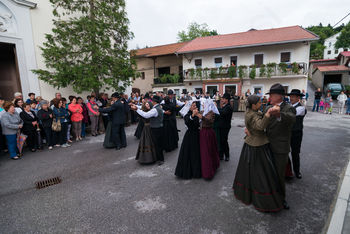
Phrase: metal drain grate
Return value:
(47, 183)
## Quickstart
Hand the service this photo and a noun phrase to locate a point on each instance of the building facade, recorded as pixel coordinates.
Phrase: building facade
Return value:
(23, 25)
(330, 52)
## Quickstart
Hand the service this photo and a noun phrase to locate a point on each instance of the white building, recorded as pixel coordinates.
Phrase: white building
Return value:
(330, 52)
(206, 60)
(23, 25)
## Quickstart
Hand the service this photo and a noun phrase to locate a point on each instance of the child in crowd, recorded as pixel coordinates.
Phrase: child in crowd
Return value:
(321, 104)
(328, 104)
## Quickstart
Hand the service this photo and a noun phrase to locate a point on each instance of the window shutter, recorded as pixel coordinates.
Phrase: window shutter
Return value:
(259, 59)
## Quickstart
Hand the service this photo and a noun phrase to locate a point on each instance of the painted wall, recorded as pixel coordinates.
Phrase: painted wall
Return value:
(299, 53)
(330, 50)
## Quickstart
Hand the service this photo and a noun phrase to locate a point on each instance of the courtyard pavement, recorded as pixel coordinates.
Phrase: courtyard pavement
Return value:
(107, 191)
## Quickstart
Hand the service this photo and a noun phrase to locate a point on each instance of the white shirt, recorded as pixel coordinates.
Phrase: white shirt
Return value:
(178, 103)
(152, 113)
(300, 109)
(342, 98)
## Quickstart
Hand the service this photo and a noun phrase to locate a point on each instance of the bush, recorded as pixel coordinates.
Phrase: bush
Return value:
(232, 71)
(252, 72)
(262, 69)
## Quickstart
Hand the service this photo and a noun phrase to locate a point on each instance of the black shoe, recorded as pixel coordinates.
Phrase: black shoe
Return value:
(160, 163)
(285, 205)
(227, 159)
(221, 158)
(298, 175)
(118, 148)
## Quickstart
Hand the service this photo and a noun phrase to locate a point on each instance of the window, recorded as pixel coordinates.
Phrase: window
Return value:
(233, 60)
(218, 62)
(231, 89)
(329, 52)
(336, 51)
(184, 91)
(329, 44)
(212, 89)
(258, 59)
(177, 92)
(198, 63)
(285, 57)
(256, 89)
(198, 89)
(143, 75)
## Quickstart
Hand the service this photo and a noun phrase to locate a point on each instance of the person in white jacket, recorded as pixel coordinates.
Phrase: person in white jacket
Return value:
(341, 101)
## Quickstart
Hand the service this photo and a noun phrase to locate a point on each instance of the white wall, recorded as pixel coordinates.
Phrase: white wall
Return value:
(299, 53)
(329, 43)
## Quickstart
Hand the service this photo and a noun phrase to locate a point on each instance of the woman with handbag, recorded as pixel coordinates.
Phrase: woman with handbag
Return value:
(45, 116)
(60, 124)
(30, 125)
(11, 123)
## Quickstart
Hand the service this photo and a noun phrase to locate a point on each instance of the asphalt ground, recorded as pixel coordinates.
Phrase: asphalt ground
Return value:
(107, 191)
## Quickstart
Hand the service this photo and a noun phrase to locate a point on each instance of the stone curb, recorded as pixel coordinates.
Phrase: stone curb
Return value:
(339, 212)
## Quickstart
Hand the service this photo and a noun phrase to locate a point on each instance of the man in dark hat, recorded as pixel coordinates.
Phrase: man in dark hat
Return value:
(117, 111)
(225, 125)
(297, 130)
(279, 132)
(156, 122)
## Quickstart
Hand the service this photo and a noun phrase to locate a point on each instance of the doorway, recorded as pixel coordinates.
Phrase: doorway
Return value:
(9, 74)
(332, 78)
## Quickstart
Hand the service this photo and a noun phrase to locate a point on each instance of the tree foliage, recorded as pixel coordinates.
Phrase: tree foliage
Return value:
(343, 41)
(195, 30)
(87, 48)
(317, 48)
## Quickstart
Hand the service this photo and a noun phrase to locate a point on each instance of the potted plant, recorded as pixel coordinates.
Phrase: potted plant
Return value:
(213, 73)
(206, 71)
(199, 73)
(262, 70)
(232, 71)
(241, 71)
(283, 67)
(164, 79)
(191, 72)
(295, 68)
(270, 68)
(252, 72)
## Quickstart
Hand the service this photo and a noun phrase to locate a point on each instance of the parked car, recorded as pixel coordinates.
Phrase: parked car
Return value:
(334, 89)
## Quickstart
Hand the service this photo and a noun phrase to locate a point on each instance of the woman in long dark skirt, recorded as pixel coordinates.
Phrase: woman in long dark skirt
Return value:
(141, 123)
(171, 136)
(146, 152)
(256, 181)
(209, 146)
(108, 141)
(189, 161)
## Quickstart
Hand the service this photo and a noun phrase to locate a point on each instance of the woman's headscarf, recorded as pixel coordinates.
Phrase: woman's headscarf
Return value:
(186, 108)
(209, 106)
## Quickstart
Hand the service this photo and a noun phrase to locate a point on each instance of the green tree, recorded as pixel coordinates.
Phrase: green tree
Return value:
(195, 30)
(87, 48)
(343, 41)
(317, 48)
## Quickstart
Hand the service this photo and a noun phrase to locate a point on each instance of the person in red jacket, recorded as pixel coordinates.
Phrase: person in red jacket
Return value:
(76, 118)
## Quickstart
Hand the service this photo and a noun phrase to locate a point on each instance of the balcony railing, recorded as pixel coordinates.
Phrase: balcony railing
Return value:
(264, 71)
(168, 79)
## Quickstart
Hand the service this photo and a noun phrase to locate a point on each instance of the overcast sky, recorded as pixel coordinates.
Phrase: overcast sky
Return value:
(156, 22)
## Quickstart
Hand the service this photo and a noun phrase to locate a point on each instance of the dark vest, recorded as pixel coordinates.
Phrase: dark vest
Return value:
(299, 120)
(157, 122)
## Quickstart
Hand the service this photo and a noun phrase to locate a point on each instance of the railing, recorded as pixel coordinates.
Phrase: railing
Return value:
(264, 71)
(168, 79)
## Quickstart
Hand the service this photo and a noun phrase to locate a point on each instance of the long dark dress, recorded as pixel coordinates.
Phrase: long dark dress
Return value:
(217, 130)
(209, 147)
(256, 179)
(189, 161)
(108, 141)
(171, 135)
(139, 128)
(146, 152)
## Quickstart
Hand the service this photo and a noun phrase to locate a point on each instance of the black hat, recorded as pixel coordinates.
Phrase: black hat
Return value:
(170, 92)
(147, 95)
(156, 99)
(116, 95)
(296, 92)
(277, 89)
(226, 96)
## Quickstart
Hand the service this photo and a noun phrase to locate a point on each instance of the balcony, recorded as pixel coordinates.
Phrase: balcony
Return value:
(168, 80)
(269, 70)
